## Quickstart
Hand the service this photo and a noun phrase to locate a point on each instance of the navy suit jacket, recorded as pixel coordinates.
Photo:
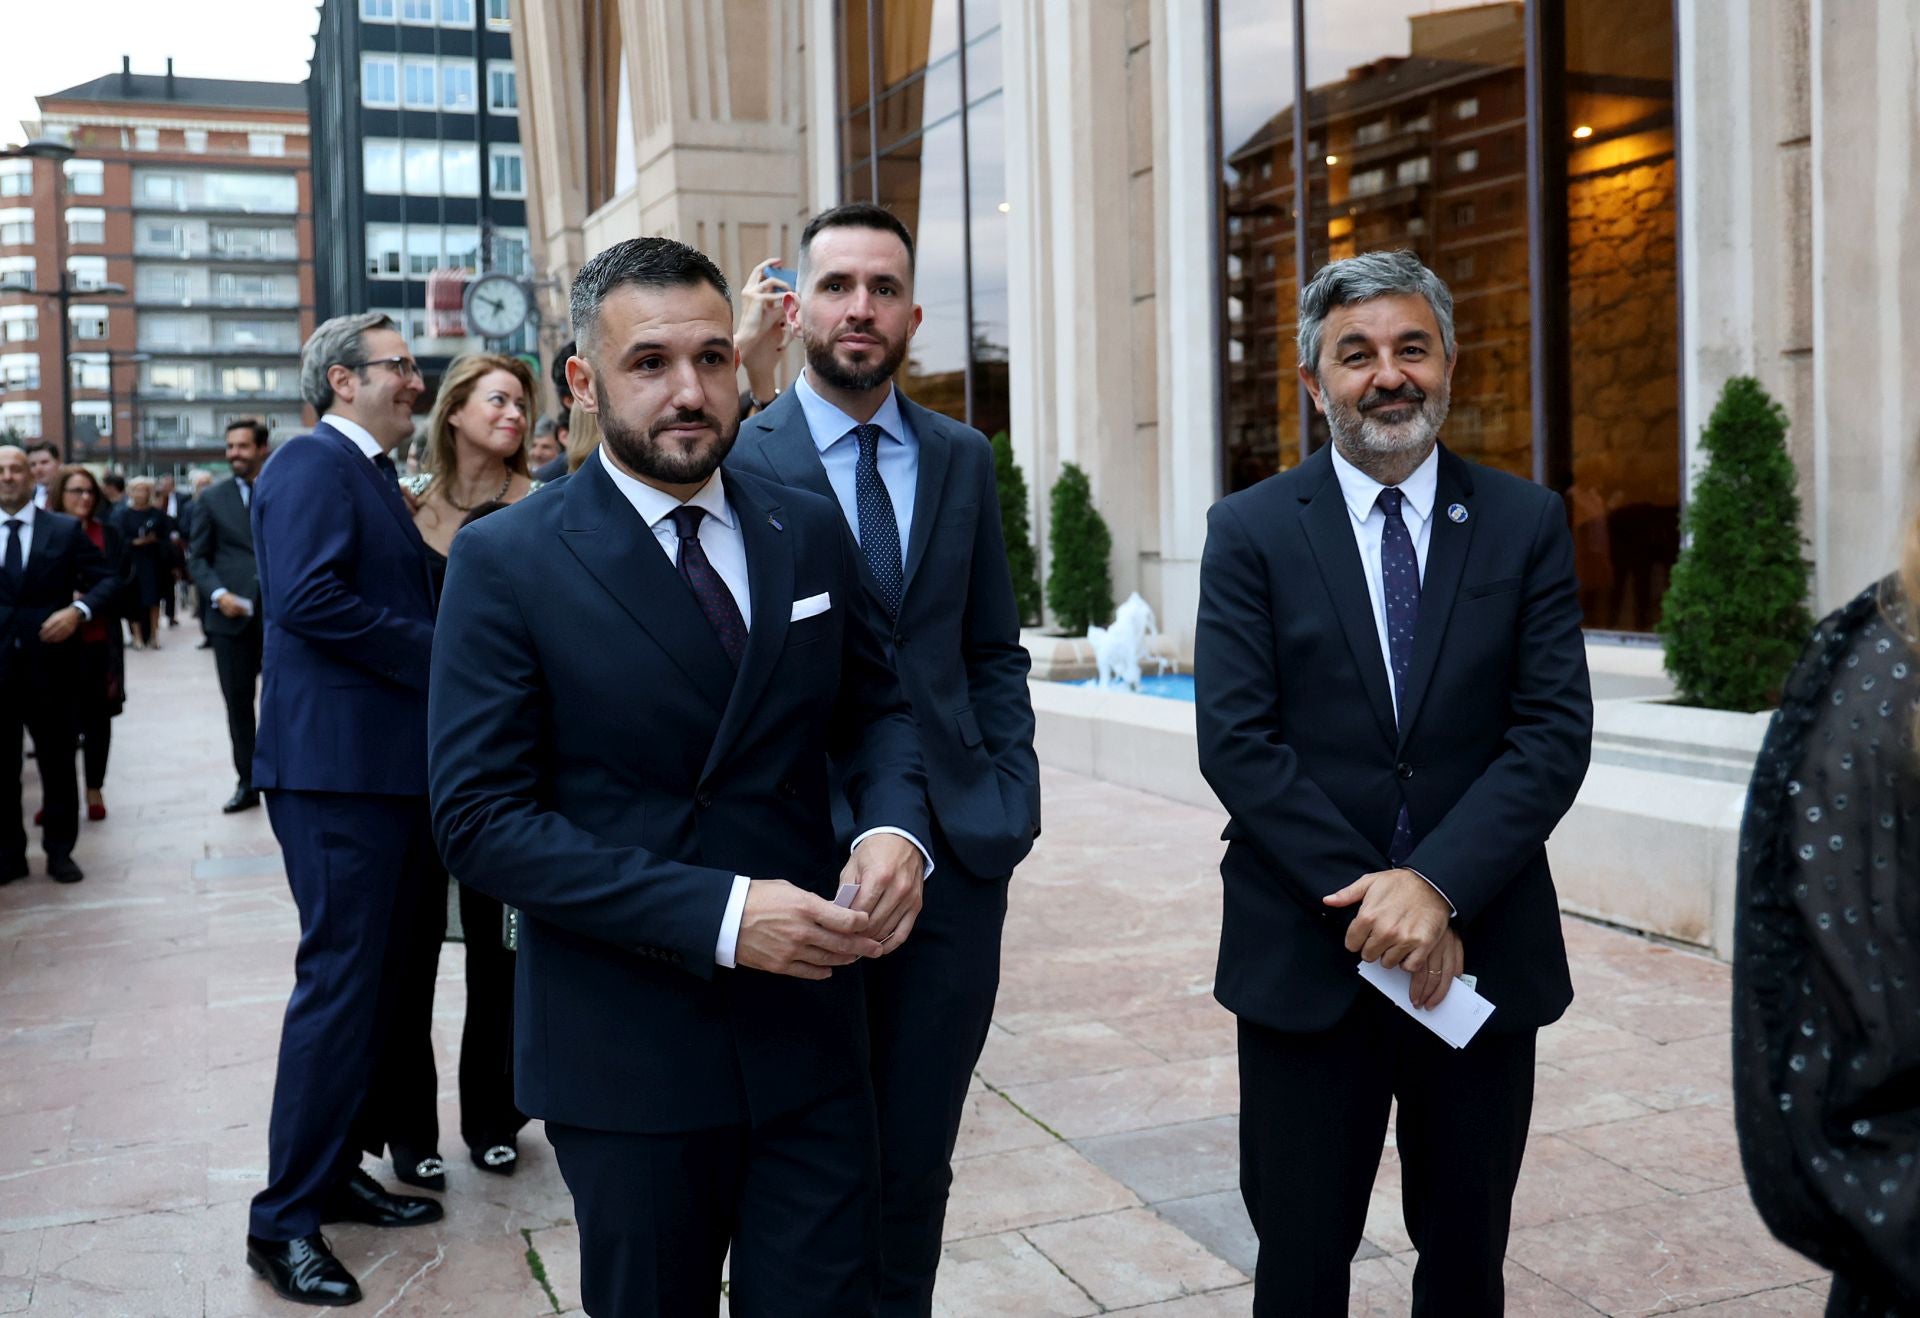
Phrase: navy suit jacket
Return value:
(61, 563)
(347, 607)
(1298, 739)
(598, 765)
(956, 643)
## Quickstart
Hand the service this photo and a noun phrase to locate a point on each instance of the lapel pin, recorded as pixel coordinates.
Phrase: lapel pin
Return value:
(774, 522)
(1457, 512)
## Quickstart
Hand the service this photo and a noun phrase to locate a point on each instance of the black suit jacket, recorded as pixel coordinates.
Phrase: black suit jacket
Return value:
(1298, 738)
(956, 643)
(220, 555)
(595, 762)
(61, 563)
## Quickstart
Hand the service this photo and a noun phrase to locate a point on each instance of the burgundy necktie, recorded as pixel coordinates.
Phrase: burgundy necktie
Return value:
(709, 591)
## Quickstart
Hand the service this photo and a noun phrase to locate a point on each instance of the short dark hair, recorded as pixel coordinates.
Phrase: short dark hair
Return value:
(44, 446)
(558, 373)
(113, 480)
(855, 215)
(258, 429)
(646, 262)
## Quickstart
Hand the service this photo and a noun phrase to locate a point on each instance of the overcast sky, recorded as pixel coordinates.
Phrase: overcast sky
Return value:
(51, 45)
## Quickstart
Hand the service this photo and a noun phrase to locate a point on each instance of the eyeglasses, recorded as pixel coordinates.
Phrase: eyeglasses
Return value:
(404, 367)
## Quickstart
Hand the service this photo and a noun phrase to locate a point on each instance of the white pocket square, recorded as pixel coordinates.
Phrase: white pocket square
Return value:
(811, 607)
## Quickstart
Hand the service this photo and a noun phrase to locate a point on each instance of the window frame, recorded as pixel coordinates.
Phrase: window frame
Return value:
(390, 66)
(496, 68)
(499, 153)
(411, 64)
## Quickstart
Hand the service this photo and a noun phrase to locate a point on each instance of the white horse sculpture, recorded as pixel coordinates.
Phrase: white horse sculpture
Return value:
(1118, 650)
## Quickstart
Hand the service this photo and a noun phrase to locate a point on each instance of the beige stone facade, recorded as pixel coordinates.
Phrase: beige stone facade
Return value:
(1785, 201)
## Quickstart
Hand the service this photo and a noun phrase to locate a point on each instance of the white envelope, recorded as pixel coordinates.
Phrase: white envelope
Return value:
(811, 607)
(1457, 1019)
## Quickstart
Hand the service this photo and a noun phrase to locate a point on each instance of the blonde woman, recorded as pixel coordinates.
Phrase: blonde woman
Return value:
(1826, 971)
(476, 460)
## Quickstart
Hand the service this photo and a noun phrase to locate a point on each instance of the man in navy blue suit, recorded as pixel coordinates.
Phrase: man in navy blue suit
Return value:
(1394, 708)
(917, 489)
(635, 755)
(341, 755)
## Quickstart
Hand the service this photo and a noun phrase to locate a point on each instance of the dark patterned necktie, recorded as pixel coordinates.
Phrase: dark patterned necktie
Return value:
(709, 591)
(1400, 584)
(879, 528)
(15, 566)
(387, 469)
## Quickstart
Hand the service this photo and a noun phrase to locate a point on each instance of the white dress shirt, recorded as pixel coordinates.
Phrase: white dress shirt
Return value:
(897, 457)
(26, 516)
(358, 433)
(727, 551)
(39, 496)
(1362, 494)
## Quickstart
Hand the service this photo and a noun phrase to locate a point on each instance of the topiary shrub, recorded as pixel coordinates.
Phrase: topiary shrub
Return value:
(1736, 615)
(1016, 529)
(1080, 584)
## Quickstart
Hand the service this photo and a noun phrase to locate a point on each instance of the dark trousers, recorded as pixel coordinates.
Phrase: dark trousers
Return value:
(93, 709)
(928, 1009)
(792, 1196)
(488, 1115)
(355, 865)
(237, 659)
(1313, 1118)
(45, 708)
(402, 1111)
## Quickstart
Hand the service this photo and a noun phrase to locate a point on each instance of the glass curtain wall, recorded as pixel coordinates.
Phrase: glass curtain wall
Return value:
(1417, 116)
(922, 132)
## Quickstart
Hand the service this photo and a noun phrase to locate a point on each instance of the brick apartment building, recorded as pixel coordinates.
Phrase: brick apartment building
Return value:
(183, 221)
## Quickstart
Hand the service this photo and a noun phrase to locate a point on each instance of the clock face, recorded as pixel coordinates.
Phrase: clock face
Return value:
(497, 305)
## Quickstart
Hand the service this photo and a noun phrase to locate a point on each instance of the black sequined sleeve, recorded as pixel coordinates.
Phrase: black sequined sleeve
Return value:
(1826, 1029)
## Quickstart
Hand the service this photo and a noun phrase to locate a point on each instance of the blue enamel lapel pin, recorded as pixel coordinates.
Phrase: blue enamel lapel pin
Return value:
(1457, 512)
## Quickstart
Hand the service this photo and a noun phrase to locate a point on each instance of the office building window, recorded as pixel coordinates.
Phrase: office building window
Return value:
(16, 227)
(424, 248)
(380, 165)
(460, 169)
(423, 168)
(506, 171)
(503, 91)
(377, 11)
(16, 178)
(85, 178)
(384, 244)
(456, 13)
(419, 12)
(457, 86)
(419, 84)
(86, 224)
(379, 82)
(500, 15)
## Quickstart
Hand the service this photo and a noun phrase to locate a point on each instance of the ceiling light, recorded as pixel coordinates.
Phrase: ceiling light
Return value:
(1583, 132)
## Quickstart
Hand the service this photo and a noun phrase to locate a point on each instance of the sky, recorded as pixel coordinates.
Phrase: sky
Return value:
(51, 46)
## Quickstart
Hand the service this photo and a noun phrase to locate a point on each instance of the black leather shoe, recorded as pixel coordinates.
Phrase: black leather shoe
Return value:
(361, 1199)
(13, 869)
(61, 869)
(243, 798)
(500, 1159)
(304, 1271)
(424, 1170)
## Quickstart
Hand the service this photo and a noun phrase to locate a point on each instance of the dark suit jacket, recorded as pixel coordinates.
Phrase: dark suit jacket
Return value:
(548, 472)
(61, 562)
(597, 765)
(1298, 739)
(956, 643)
(220, 555)
(348, 611)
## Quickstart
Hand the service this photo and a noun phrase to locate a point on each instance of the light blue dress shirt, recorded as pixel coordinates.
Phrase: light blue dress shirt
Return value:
(898, 456)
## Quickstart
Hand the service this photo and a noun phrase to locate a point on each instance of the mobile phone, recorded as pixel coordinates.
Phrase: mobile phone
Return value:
(781, 274)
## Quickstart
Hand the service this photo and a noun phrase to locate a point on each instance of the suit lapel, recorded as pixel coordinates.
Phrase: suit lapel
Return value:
(936, 450)
(620, 552)
(40, 552)
(770, 586)
(389, 497)
(234, 509)
(1329, 532)
(1447, 543)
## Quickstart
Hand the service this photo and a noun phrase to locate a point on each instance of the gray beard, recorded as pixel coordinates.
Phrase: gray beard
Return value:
(1361, 439)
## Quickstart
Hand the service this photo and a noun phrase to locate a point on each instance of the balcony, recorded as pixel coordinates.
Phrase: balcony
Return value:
(287, 351)
(249, 253)
(285, 393)
(219, 302)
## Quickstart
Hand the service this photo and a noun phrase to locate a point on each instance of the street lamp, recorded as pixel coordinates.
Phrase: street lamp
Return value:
(47, 148)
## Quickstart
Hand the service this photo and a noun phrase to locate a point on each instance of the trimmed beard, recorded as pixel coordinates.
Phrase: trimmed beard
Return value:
(854, 380)
(647, 453)
(1357, 434)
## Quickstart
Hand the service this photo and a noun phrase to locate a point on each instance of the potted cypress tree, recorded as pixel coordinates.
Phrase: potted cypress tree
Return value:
(1735, 616)
(1016, 529)
(1080, 582)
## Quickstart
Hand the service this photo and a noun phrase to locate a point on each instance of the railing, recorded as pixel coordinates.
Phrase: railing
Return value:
(205, 251)
(206, 347)
(229, 301)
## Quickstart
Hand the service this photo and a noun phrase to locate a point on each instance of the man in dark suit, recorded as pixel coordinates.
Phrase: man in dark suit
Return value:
(347, 609)
(554, 467)
(634, 755)
(220, 559)
(1394, 708)
(52, 579)
(918, 491)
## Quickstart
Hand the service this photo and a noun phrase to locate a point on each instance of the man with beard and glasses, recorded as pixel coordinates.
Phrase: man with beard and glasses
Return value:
(1394, 708)
(917, 489)
(634, 755)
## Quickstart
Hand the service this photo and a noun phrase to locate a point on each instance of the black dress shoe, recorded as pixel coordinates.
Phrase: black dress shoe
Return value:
(13, 869)
(500, 1159)
(243, 798)
(359, 1198)
(61, 869)
(425, 1170)
(304, 1271)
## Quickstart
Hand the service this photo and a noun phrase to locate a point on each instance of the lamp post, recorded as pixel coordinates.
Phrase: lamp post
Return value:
(47, 148)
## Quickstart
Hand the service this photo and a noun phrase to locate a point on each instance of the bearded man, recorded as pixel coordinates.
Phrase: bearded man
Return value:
(1393, 706)
(635, 756)
(917, 491)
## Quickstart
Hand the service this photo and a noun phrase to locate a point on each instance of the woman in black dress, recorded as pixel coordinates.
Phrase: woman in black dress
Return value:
(1826, 975)
(148, 531)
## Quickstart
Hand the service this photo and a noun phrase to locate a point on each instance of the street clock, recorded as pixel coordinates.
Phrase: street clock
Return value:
(497, 305)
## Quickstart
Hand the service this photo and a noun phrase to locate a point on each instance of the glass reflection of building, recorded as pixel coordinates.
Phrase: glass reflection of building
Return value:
(1428, 150)
(923, 132)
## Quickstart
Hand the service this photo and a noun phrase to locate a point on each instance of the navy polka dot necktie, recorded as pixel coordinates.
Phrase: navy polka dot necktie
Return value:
(709, 591)
(879, 529)
(1400, 584)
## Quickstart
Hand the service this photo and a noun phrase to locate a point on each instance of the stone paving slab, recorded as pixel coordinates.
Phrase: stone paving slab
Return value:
(1098, 1164)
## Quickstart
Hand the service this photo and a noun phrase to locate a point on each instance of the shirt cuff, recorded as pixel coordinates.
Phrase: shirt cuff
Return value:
(1452, 910)
(217, 593)
(85, 612)
(918, 845)
(730, 923)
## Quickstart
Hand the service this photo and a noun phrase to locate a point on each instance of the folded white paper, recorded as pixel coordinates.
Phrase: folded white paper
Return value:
(1458, 1017)
(811, 606)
